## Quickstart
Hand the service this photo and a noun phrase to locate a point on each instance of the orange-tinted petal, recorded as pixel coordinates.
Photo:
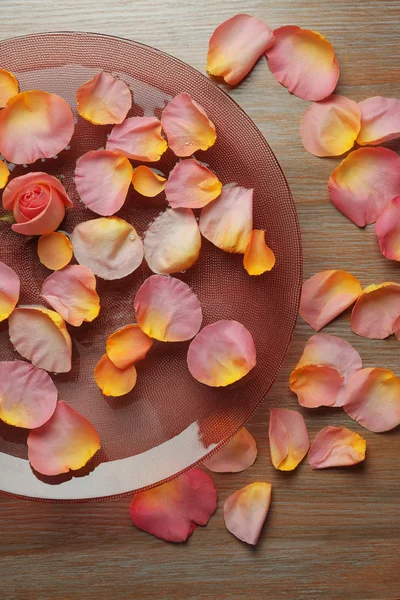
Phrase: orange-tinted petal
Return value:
(138, 138)
(326, 295)
(128, 345)
(28, 397)
(376, 311)
(245, 511)
(72, 293)
(40, 336)
(387, 228)
(336, 447)
(66, 442)
(330, 127)
(221, 353)
(102, 179)
(54, 250)
(235, 47)
(109, 246)
(172, 242)
(364, 183)
(228, 221)
(191, 185)
(304, 62)
(316, 385)
(34, 125)
(372, 398)
(9, 290)
(258, 257)
(113, 381)
(380, 120)
(172, 511)
(147, 182)
(104, 100)
(8, 87)
(236, 456)
(167, 309)
(288, 438)
(4, 174)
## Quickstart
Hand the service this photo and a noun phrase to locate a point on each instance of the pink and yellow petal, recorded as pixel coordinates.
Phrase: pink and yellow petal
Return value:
(113, 381)
(316, 385)
(376, 311)
(191, 185)
(104, 100)
(336, 447)
(380, 120)
(8, 87)
(4, 174)
(288, 438)
(245, 511)
(387, 228)
(128, 345)
(9, 290)
(237, 455)
(258, 257)
(138, 138)
(148, 183)
(55, 250)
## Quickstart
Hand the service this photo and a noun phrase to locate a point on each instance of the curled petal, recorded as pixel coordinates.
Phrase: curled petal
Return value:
(288, 438)
(4, 174)
(228, 221)
(221, 353)
(172, 242)
(236, 456)
(72, 293)
(128, 345)
(326, 295)
(380, 120)
(336, 447)
(54, 250)
(28, 397)
(187, 126)
(9, 290)
(104, 100)
(330, 127)
(191, 185)
(8, 87)
(167, 309)
(34, 125)
(113, 381)
(172, 511)
(235, 47)
(109, 246)
(138, 138)
(376, 311)
(102, 180)
(316, 385)
(387, 228)
(258, 258)
(40, 336)
(66, 442)
(245, 511)
(147, 182)
(304, 62)
(364, 183)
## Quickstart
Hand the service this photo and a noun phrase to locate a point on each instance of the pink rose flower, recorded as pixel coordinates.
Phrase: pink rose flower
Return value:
(38, 202)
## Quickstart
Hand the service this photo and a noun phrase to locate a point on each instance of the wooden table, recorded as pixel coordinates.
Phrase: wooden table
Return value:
(330, 535)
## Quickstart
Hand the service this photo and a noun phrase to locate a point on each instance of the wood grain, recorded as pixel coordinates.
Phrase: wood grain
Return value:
(330, 535)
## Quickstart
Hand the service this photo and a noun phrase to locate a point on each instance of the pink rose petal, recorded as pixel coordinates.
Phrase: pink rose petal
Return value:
(138, 138)
(336, 447)
(191, 185)
(380, 120)
(104, 99)
(387, 228)
(236, 456)
(376, 311)
(288, 438)
(245, 511)
(9, 290)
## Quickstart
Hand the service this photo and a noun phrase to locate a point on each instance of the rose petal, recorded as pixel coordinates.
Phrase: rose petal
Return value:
(245, 511)
(148, 183)
(28, 397)
(191, 185)
(172, 242)
(376, 311)
(187, 126)
(228, 221)
(9, 290)
(304, 62)
(364, 183)
(236, 456)
(113, 381)
(102, 179)
(54, 250)
(72, 293)
(167, 309)
(109, 246)
(336, 447)
(387, 228)
(4, 174)
(66, 442)
(258, 258)
(172, 511)
(104, 100)
(128, 345)
(34, 125)
(380, 120)
(235, 47)
(326, 295)
(221, 353)
(316, 385)
(40, 336)
(288, 438)
(8, 87)
(330, 127)
(138, 138)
